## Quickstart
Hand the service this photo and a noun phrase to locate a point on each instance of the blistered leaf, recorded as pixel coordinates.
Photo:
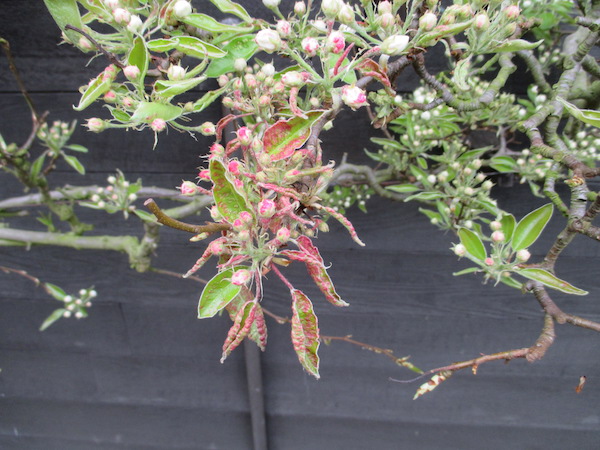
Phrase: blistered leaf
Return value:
(242, 47)
(148, 111)
(208, 23)
(74, 163)
(66, 12)
(217, 293)
(305, 332)
(285, 136)
(589, 116)
(434, 382)
(531, 226)
(98, 87)
(171, 88)
(515, 45)
(57, 314)
(550, 280)
(472, 243)
(229, 203)
(240, 328)
(197, 48)
(227, 6)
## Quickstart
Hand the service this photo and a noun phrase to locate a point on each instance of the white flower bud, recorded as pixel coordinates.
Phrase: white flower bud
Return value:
(271, 4)
(135, 24)
(523, 255)
(268, 40)
(182, 8)
(175, 72)
(395, 45)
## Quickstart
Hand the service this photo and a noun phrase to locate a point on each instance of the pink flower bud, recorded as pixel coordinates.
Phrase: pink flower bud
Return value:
(498, 236)
(310, 46)
(127, 102)
(459, 250)
(95, 124)
(121, 15)
(387, 20)
(131, 72)
(246, 218)
(110, 73)
(84, 43)
(495, 225)
(268, 40)
(482, 22)
(284, 28)
(223, 80)
(489, 261)
(110, 97)
(158, 125)
(208, 129)
(336, 41)
(234, 167)
(266, 208)
(241, 277)
(354, 96)
(283, 235)
(217, 150)
(188, 188)
(216, 247)
(523, 255)
(244, 135)
(512, 11)
(300, 8)
(204, 174)
(264, 100)
(292, 79)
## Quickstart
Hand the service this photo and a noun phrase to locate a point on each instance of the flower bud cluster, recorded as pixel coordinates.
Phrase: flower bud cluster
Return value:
(118, 195)
(77, 306)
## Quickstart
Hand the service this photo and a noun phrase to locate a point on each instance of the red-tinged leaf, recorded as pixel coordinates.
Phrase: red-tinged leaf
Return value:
(217, 293)
(258, 330)
(346, 223)
(307, 246)
(285, 136)
(240, 328)
(229, 202)
(222, 123)
(371, 69)
(305, 332)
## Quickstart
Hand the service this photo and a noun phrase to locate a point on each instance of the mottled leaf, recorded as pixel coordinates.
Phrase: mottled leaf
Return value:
(240, 328)
(515, 45)
(550, 280)
(285, 136)
(531, 226)
(305, 332)
(207, 99)
(258, 330)
(161, 45)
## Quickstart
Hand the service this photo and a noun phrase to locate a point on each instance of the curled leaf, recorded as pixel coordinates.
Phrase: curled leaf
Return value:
(434, 382)
(240, 328)
(305, 332)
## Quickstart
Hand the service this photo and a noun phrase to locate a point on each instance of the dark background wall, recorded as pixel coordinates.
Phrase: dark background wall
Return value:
(143, 373)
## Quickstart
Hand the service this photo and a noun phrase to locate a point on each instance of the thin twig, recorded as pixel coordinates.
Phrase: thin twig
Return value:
(161, 217)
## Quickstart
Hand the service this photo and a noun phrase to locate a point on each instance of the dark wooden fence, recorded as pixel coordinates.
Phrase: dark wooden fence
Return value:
(143, 373)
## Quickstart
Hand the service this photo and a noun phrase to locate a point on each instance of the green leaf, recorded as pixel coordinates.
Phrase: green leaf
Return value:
(217, 294)
(120, 115)
(241, 47)
(403, 188)
(503, 164)
(461, 74)
(74, 163)
(148, 111)
(161, 45)
(531, 226)
(515, 45)
(207, 99)
(229, 202)
(227, 6)
(208, 23)
(77, 148)
(285, 136)
(305, 332)
(472, 243)
(508, 223)
(425, 196)
(57, 314)
(37, 165)
(197, 48)
(95, 90)
(55, 291)
(66, 12)
(550, 280)
(466, 271)
(509, 281)
(145, 216)
(589, 116)
(138, 56)
(168, 89)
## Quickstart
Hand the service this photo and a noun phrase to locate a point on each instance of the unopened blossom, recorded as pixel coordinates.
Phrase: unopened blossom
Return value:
(208, 129)
(233, 166)
(241, 277)
(384, 7)
(121, 15)
(84, 43)
(498, 236)
(182, 8)
(111, 4)
(95, 124)
(346, 14)
(188, 188)
(175, 72)
(387, 20)
(244, 135)
(284, 28)
(331, 7)
(336, 41)
(271, 3)
(310, 46)
(292, 79)
(354, 96)
(300, 8)
(283, 235)
(204, 174)
(268, 69)
(158, 125)
(512, 11)
(110, 97)
(131, 72)
(523, 255)
(268, 40)
(135, 24)
(266, 208)
(428, 21)
(482, 22)
(459, 250)
(395, 45)
(489, 261)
